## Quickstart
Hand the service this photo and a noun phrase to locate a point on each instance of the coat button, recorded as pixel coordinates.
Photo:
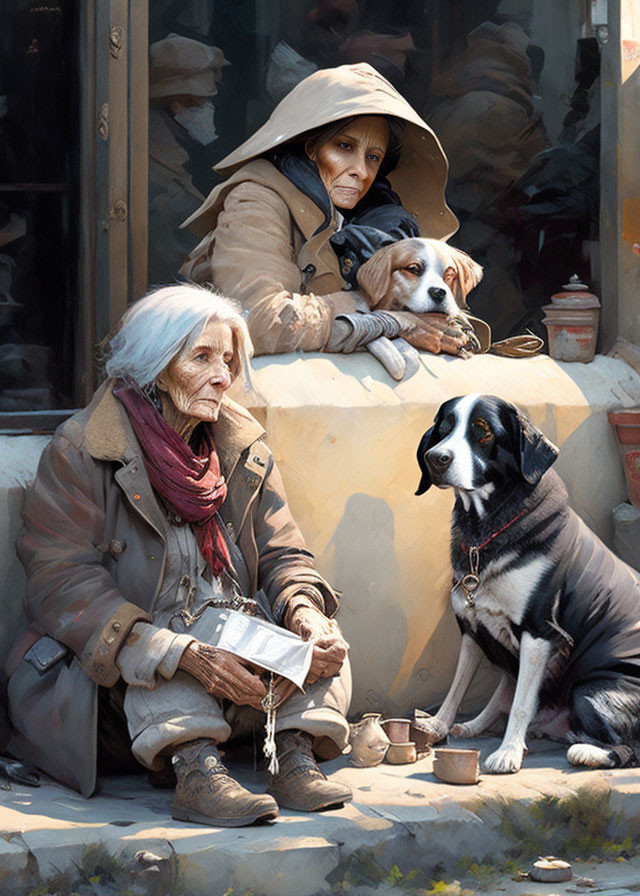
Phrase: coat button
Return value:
(116, 547)
(116, 626)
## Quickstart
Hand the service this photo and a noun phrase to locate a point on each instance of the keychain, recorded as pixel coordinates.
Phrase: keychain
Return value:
(269, 704)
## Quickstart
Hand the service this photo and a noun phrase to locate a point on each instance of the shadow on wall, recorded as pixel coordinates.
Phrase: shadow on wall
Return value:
(597, 471)
(360, 560)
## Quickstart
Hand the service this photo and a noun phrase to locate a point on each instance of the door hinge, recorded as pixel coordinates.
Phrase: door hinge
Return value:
(116, 40)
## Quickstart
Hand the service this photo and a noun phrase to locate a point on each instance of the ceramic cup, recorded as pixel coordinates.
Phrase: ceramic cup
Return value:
(420, 739)
(401, 754)
(456, 766)
(397, 730)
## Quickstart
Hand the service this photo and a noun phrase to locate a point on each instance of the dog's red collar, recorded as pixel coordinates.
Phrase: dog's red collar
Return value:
(479, 547)
(471, 581)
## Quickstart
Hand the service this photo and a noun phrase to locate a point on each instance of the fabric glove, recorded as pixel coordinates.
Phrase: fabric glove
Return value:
(389, 335)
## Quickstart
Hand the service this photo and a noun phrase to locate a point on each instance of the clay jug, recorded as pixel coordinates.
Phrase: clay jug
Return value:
(368, 741)
(572, 322)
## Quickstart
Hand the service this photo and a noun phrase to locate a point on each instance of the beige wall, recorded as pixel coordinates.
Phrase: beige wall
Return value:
(345, 437)
(19, 456)
(346, 441)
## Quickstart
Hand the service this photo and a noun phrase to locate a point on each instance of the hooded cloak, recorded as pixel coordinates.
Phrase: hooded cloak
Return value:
(266, 241)
(329, 95)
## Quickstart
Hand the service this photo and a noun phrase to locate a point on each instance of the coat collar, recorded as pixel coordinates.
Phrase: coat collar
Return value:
(305, 212)
(109, 435)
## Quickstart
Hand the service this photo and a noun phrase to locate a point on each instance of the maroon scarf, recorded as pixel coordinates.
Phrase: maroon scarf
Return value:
(188, 480)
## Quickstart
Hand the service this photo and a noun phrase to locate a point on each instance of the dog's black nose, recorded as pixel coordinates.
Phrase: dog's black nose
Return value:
(437, 293)
(439, 460)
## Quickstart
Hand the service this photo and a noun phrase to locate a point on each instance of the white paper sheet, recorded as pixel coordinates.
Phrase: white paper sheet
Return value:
(267, 645)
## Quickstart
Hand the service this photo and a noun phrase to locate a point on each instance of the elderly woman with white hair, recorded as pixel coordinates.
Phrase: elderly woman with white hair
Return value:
(158, 501)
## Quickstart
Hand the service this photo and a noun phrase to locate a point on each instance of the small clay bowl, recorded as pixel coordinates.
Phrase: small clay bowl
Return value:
(401, 754)
(548, 869)
(420, 738)
(456, 766)
(397, 730)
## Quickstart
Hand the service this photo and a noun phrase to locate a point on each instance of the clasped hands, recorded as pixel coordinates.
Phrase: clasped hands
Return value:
(225, 675)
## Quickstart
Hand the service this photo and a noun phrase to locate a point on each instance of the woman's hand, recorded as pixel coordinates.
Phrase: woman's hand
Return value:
(437, 333)
(223, 674)
(329, 647)
(432, 332)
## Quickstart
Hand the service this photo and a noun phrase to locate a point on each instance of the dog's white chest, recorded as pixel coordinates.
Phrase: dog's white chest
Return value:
(501, 598)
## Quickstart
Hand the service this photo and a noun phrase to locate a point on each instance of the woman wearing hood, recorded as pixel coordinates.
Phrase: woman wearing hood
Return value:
(343, 166)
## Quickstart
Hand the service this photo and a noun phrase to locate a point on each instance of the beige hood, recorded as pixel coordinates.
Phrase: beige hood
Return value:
(334, 93)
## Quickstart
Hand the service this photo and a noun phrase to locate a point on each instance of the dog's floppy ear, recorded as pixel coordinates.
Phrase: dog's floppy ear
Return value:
(374, 277)
(537, 453)
(427, 440)
(462, 274)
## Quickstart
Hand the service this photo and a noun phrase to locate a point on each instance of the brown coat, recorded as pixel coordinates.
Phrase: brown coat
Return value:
(261, 250)
(94, 553)
(257, 229)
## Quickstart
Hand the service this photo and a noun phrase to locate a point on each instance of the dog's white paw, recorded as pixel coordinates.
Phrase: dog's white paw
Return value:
(464, 729)
(504, 761)
(599, 757)
(434, 729)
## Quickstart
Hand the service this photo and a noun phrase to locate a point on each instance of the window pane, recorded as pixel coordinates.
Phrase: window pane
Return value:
(511, 87)
(38, 145)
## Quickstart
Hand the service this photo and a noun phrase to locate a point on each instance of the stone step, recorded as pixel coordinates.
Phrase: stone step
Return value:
(403, 830)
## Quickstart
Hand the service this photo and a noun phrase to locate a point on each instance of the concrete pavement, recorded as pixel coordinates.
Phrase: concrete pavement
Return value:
(404, 832)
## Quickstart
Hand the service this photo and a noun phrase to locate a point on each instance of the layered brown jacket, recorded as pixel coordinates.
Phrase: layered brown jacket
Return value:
(94, 551)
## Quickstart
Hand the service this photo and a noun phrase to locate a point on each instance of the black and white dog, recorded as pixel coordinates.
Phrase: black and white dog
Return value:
(535, 590)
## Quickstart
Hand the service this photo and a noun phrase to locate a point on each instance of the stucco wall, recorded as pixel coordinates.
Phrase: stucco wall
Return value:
(346, 440)
(345, 437)
(19, 456)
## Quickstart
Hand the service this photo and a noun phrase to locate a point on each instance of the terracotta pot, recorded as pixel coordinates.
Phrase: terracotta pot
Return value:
(456, 766)
(626, 425)
(401, 754)
(397, 730)
(572, 322)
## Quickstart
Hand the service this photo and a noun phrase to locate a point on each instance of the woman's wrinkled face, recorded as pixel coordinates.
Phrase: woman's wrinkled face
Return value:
(349, 162)
(196, 379)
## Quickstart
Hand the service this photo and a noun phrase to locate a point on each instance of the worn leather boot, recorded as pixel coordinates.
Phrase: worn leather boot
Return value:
(207, 794)
(300, 784)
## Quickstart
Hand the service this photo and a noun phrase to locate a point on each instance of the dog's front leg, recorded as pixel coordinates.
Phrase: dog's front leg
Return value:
(499, 703)
(533, 660)
(438, 727)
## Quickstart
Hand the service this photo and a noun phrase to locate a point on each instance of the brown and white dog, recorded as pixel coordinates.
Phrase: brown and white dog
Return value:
(420, 275)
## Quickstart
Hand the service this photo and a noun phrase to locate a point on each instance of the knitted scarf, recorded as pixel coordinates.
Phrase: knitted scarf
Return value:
(187, 477)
